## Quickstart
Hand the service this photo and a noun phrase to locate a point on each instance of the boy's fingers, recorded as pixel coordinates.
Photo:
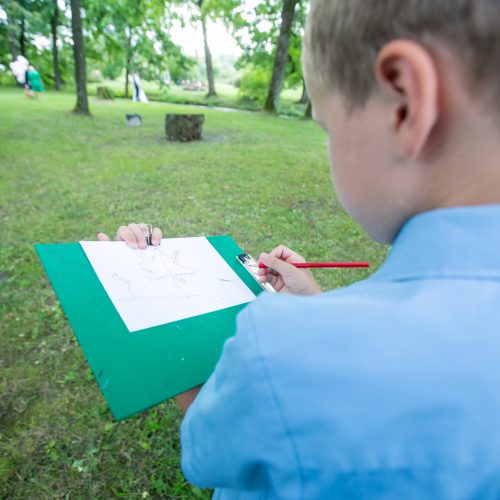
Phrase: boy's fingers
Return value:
(102, 237)
(277, 264)
(135, 235)
(262, 271)
(285, 253)
(121, 233)
(156, 234)
(127, 235)
(156, 237)
(139, 231)
(271, 279)
(281, 252)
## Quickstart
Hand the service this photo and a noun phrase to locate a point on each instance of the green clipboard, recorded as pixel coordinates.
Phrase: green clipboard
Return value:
(135, 372)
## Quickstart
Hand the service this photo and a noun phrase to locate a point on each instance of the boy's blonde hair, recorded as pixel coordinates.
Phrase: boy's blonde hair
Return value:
(343, 38)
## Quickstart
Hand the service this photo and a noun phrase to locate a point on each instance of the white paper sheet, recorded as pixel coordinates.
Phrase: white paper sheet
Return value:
(181, 278)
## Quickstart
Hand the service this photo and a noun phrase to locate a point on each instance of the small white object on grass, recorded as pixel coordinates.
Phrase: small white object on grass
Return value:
(133, 120)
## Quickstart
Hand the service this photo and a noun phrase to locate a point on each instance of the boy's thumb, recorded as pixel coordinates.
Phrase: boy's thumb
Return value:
(278, 265)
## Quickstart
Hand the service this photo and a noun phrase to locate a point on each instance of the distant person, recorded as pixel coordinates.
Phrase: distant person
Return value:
(34, 81)
(19, 68)
(27, 85)
(138, 94)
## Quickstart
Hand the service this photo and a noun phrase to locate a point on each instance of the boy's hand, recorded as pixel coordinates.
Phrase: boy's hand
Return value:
(134, 235)
(283, 276)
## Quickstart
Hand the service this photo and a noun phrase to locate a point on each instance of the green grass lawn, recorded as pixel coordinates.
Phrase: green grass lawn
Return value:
(263, 180)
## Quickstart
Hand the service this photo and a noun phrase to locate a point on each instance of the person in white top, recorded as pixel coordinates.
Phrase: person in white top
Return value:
(138, 94)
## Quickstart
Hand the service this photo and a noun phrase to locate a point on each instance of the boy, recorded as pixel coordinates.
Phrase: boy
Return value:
(388, 388)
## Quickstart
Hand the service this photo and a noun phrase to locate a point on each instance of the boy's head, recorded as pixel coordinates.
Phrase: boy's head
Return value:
(409, 92)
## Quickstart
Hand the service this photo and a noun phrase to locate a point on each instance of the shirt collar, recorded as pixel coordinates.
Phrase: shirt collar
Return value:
(447, 242)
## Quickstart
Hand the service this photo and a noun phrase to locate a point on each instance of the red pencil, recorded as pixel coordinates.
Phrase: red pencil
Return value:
(302, 265)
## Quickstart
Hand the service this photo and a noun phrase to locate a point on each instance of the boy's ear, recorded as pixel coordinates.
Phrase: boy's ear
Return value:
(406, 71)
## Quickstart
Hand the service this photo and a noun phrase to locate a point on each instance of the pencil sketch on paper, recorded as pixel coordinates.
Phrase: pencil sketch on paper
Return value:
(165, 276)
(181, 278)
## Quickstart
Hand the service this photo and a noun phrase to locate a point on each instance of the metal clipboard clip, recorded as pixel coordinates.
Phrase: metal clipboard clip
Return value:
(149, 234)
(249, 263)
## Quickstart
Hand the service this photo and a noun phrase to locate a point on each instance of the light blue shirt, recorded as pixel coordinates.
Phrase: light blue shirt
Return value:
(387, 389)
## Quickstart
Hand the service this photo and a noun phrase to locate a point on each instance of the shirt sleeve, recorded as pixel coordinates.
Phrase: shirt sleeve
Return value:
(231, 435)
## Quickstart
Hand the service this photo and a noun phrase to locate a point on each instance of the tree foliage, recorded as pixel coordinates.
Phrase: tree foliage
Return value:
(257, 32)
(27, 31)
(120, 36)
(133, 36)
(126, 36)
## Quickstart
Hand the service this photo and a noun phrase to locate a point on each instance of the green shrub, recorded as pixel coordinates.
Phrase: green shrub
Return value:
(254, 85)
(6, 78)
(94, 76)
(112, 69)
(105, 93)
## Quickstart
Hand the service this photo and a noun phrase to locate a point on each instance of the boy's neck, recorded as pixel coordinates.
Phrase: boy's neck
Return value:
(468, 170)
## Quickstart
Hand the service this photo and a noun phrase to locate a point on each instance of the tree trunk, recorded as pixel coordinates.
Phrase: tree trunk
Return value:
(22, 38)
(128, 61)
(82, 103)
(304, 98)
(126, 80)
(54, 22)
(308, 112)
(208, 59)
(280, 59)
